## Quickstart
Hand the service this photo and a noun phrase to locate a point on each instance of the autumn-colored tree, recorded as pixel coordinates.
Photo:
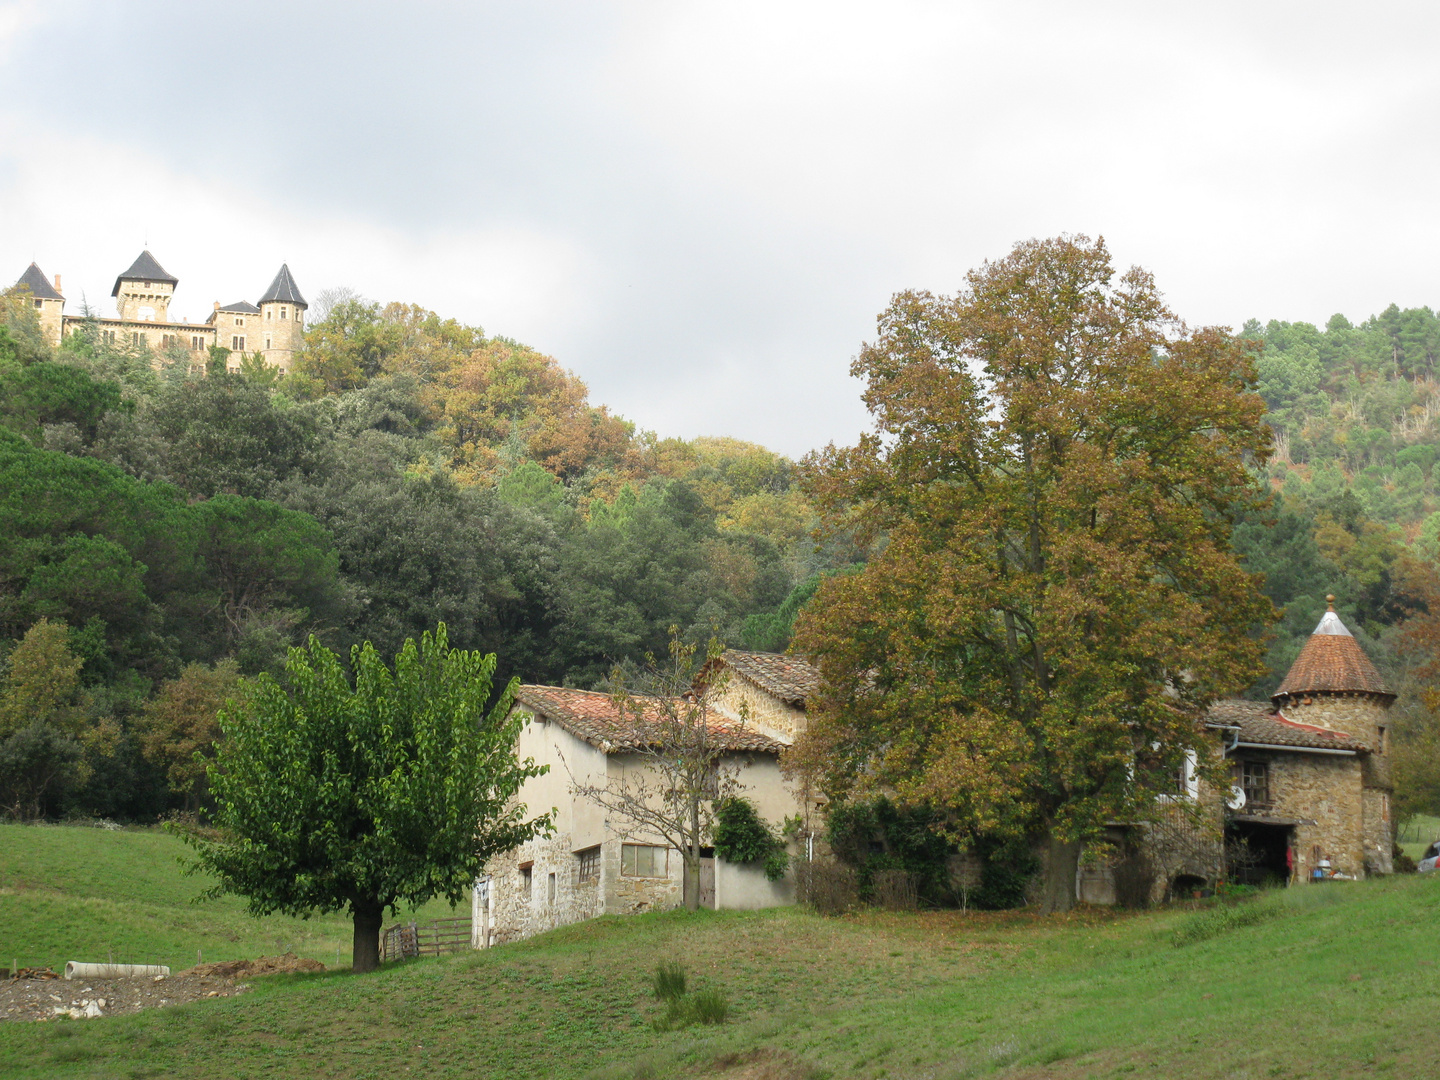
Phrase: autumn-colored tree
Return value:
(506, 392)
(40, 721)
(1054, 468)
(180, 726)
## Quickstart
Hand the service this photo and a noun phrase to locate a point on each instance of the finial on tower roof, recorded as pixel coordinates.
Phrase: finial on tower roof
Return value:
(1330, 600)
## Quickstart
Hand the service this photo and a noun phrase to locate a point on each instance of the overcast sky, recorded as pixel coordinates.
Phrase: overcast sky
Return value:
(700, 209)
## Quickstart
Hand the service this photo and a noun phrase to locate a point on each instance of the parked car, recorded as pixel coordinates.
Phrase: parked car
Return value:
(1430, 858)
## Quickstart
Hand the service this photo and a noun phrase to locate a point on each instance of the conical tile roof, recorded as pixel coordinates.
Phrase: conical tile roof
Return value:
(145, 268)
(284, 289)
(1331, 662)
(39, 285)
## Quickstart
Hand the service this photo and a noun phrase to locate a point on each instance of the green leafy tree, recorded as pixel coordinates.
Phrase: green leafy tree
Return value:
(398, 788)
(1055, 467)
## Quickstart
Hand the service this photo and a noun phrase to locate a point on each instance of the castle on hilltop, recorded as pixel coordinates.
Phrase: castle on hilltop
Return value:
(272, 328)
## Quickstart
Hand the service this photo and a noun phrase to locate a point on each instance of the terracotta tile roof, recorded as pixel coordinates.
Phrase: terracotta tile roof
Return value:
(595, 718)
(792, 679)
(1260, 722)
(1331, 661)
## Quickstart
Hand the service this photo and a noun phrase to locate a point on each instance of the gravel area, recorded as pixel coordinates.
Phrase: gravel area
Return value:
(37, 997)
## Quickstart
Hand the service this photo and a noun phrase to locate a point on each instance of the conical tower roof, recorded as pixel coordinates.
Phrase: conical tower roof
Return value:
(284, 290)
(145, 268)
(39, 285)
(1331, 662)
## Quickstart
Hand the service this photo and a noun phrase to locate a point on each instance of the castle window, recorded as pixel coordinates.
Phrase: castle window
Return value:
(282, 313)
(269, 312)
(526, 880)
(589, 864)
(147, 286)
(197, 343)
(267, 343)
(237, 343)
(550, 891)
(239, 321)
(39, 303)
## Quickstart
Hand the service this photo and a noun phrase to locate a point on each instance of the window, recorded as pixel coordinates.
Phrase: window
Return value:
(644, 860)
(108, 336)
(267, 341)
(550, 891)
(282, 313)
(147, 286)
(525, 880)
(137, 338)
(1255, 782)
(589, 864)
(197, 343)
(237, 342)
(239, 320)
(1185, 784)
(39, 303)
(269, 312)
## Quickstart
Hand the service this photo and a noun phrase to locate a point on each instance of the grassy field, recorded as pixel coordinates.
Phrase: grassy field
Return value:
(92, 894)
(1315, 981)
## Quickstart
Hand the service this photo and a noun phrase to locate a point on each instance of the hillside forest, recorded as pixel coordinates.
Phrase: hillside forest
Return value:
(169, 529)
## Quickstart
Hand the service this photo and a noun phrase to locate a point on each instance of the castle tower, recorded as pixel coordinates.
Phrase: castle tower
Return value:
(282, 321)
(49, 304)
(142, 293)
(1334, 685)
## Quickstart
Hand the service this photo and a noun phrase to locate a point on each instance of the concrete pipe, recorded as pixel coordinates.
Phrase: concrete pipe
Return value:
(114, 971)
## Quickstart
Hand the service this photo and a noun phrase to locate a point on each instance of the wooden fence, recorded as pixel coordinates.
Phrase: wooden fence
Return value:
(404, 941)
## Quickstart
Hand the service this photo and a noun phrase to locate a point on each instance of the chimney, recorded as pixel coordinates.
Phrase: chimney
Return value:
(57, 284)
(217, 305)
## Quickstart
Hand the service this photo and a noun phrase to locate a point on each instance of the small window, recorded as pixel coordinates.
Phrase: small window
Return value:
(644, 860)
(39, 303)
(589, 864)
(1255, 782)
(197, 343)
(550, 891)
(267, 341)
(147, 286)
(239, 321)
(282, 313)
(269, 312)
(525, 882)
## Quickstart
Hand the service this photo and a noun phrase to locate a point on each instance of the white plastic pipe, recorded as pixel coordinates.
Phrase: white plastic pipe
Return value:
(114, 971)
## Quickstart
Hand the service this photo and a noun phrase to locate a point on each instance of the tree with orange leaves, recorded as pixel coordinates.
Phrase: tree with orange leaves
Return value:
(1054, 467)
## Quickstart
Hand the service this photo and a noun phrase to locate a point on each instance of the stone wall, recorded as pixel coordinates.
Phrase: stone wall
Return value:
(517, 916)
(761, 710)
(1360, 715)
(134, 299)
(1379, 833)
(285, 336)
(1322, 793)
(52, 319)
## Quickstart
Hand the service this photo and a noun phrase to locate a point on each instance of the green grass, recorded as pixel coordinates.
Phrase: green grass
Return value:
(1331, 981)
(91, 894)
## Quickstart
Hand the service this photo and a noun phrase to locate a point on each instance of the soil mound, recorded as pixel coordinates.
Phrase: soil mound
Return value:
(265, 965)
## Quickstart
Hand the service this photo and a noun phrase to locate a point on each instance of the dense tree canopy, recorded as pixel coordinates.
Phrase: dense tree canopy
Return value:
(1054, 466)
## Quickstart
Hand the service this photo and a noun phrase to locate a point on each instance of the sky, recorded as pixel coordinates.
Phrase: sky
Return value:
(701, 209)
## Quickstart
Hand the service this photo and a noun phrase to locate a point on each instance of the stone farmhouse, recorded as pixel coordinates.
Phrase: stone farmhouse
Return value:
(596, 863)
(1310, 793)
(1310, 783)
(273, 327)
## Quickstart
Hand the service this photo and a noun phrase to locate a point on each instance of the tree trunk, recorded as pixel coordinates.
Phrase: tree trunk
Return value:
(1060, 870)
(365, 950)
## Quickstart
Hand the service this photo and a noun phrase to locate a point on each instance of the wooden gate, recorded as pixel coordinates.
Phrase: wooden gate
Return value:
(405, 941)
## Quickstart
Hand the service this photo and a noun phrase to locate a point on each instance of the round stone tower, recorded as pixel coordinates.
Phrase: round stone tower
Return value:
(282, 321)
(143, 293)
(1334, 685)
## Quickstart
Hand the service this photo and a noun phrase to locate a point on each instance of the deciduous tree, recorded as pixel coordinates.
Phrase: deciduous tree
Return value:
(398, 788)
(1054, 469)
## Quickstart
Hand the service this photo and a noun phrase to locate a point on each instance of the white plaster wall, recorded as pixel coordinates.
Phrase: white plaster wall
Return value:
(742, 887)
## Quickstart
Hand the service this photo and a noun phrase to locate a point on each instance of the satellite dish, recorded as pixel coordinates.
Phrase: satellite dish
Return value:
(1236, 801)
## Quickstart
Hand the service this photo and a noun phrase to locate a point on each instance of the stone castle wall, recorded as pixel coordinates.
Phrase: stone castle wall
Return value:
(134, 298)
(1358, 715)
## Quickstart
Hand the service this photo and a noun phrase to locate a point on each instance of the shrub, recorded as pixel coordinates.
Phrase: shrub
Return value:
(741, 836)
(669, 981)
(830, 887)
(895, 890)
(708, 1006)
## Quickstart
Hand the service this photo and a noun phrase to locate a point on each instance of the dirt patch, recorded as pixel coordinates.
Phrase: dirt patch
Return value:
(266, 965)
(48, 998)
(761, 1065)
